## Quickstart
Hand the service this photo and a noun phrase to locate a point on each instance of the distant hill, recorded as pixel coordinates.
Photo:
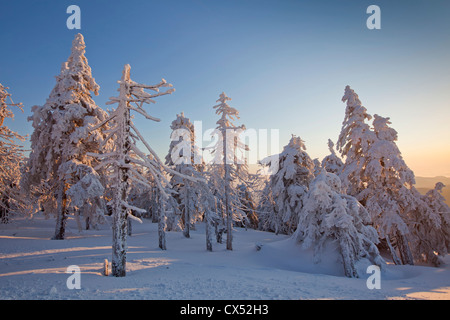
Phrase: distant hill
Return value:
(423, 184)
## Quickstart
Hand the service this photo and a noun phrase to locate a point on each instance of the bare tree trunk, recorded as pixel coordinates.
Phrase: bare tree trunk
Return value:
(394, 255)
(61, 218)
(154, 205)
(227, 193)
(162, 224)
(4, 209)
(348, 258)
(208, 231)
(130, 228)
(405, 251)
(120, 212)
(187, 214)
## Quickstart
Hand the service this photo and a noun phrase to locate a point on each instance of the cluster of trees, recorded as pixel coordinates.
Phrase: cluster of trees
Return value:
(311, 199)
(86, 162)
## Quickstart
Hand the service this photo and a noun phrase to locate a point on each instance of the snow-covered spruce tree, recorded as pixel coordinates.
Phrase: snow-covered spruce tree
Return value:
(283, 199)
(85, 192)
(388, 194)
(11, 159)
(248, 206)
(332, 163)
(214, 173)
(195, 201)
(330, 218)
(317, 167)
(354, 140)
(375, 173)
(62, 133)
(228, 153)
(267, 220)
(182, 155)
(125, 155)
(430, 227)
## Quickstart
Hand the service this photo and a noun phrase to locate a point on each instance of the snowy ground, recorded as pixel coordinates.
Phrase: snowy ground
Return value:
(34, 267)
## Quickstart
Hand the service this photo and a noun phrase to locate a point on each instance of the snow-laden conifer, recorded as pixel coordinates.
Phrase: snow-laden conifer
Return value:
(125, 155)
(182, 157)
(62, 133)
(332, 163)
(283, 196)
(430, 227)
(229, 157)
(11, 159)
(388, 194)
(331, 218)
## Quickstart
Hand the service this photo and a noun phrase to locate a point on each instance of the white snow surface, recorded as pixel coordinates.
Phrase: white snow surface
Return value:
(34, 267)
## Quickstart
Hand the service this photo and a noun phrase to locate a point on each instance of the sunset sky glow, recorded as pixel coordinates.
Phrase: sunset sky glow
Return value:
(284, 63)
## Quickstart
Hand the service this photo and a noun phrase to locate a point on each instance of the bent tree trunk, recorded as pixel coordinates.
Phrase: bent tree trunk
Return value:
(348, 257)
(404, 255)
(394, 255)
(405, 250)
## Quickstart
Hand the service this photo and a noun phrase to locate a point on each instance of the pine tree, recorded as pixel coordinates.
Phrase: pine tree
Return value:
(183, 155)
(11, 158)
(376, 175)
(283, 196)
(389, 193)
(329, 217)
(430, 226)
(123, 158)
(248, 206)
(62, 133)
(332, 163)
(354, 140)
(228, 153)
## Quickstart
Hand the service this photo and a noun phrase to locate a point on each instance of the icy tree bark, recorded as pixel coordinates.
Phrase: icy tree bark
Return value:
(405, 251)
(187, 214)
(162, 224)
(208, 232)
(126, 156)
(348, 259)
(394, 255)
(227, 193)
(120, 212)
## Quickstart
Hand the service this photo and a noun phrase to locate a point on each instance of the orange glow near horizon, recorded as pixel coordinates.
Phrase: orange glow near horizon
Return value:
(428, 162)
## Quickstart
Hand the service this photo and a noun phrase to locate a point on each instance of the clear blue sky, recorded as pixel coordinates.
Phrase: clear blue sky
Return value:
(284, 63)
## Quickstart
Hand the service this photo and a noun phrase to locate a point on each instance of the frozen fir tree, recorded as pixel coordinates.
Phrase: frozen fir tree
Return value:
(375, 173)
(122, 160)
(284, 194)
(332, 163)
(215, 174)
(86, 193)
(182, 157)
(192, 201)
(354, 139)
(62, 133)
(389, 194)
(330, 218)
(317, 167)
(11, 159)
(430, 227)
(248, 206)
(229, 155)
